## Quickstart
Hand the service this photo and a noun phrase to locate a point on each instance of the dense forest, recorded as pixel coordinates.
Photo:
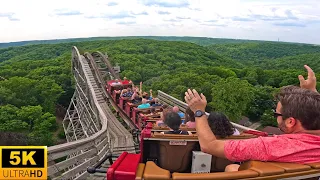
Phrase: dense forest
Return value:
(203, 41)
(238, 78)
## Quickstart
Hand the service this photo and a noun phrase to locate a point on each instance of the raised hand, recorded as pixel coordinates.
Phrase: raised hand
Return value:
(195, 101)
(311, 82)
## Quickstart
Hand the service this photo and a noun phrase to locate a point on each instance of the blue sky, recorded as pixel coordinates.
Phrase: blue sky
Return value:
(288, 20)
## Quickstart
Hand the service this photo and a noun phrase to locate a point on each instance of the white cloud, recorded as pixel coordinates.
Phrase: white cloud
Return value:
(289, 20)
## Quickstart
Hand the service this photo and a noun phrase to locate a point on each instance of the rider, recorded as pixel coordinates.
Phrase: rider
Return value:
(297, 114)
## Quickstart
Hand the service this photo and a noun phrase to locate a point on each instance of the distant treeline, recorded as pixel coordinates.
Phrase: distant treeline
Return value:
(203, 41)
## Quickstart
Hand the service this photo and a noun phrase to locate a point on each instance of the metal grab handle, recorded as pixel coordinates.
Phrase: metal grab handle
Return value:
(94, 169)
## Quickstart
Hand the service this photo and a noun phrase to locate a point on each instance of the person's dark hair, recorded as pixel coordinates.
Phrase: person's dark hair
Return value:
(172, 119)
(189, 115)
(145, 95)
(165, 106)
(153, 110)
(301, 104)
(138, 98)
(220, 124)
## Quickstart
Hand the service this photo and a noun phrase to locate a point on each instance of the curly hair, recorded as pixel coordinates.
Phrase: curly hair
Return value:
(220, 124)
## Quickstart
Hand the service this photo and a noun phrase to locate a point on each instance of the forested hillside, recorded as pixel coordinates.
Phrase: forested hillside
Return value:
(260, 53)
(35, 78)
(203, 41)
(293, 62)
(29, 95)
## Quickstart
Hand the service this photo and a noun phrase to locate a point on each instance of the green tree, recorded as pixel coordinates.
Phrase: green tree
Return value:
(134, 76)
(6, 96)
(251, 76)
(8, 112)
(267, 119)
(29, 114)
(262, 101)
(232, 96)
(48, 94)
(9, 121)
(23, 89)
(14, 125)
(42, 130)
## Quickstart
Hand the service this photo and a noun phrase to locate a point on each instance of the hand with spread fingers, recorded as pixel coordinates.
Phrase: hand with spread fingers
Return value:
(195, 101)
(311, 82)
